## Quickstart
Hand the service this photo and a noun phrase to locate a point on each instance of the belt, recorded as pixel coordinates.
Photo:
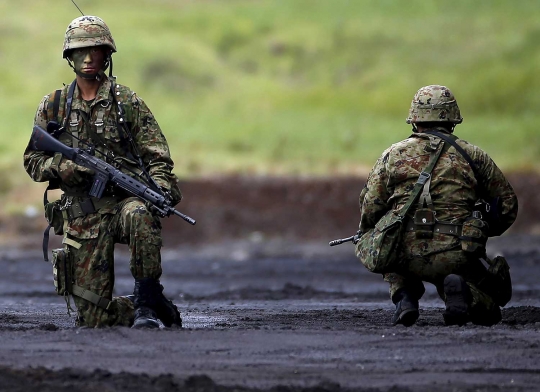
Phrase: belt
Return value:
(441, 228)
(87, 206)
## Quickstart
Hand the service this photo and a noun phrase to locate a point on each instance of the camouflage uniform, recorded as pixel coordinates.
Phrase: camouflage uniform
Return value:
(454, 192)
(119, 218)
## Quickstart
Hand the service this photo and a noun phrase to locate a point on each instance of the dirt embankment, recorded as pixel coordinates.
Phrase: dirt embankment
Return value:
(292, 209)
(297, 209)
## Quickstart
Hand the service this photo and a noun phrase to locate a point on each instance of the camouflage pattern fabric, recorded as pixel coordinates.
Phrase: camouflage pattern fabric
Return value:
(127, 221)
(151, 143)
(434, 103)
(87, 31)
(417, 268)
(453, 191)
(130, 223)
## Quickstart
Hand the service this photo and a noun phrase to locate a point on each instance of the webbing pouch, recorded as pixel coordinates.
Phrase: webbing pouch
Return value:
(53, 214)
(378, 248)
(474, 236)
(424, 221)
(62, 271)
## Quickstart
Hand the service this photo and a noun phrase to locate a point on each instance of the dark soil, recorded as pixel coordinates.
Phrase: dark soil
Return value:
(269, 306)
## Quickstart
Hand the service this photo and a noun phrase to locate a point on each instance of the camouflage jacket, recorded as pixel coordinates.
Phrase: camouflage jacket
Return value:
(96, 122)
(454, 188)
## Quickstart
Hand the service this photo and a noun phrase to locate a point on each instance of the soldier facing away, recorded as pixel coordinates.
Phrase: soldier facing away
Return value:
(95, 110)
(434, 247)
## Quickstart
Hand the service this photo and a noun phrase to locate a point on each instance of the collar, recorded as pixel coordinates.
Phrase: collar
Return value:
(102, 96)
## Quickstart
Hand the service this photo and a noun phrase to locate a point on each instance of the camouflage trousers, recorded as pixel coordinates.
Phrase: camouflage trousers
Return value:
(433, 267)
(129, 223)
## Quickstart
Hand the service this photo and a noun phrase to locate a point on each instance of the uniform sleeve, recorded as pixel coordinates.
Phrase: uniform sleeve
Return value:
(153, 148)
(495, 185)
(40, 166)
(375, 194)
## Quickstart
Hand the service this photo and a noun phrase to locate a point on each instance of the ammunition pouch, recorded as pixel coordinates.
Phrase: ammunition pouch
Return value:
(62, 271)
(424, 221)
(474, 236)
(497, 284)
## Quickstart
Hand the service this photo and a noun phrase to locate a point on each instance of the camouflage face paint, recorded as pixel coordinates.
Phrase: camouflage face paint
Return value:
(88, 61)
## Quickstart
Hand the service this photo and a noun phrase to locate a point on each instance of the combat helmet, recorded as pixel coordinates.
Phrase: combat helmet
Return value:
(434, 103)
(87, 31)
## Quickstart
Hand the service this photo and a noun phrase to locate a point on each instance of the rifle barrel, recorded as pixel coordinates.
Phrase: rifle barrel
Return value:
(184, 217)
(341, 241)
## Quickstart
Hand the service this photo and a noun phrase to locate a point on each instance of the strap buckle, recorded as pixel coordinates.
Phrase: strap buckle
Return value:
(422, 179)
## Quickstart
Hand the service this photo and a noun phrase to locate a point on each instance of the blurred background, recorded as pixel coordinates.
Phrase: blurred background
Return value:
(301, 90)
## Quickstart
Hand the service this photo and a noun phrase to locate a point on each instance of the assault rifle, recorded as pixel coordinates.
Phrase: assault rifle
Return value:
(354, 239)
(105, 173)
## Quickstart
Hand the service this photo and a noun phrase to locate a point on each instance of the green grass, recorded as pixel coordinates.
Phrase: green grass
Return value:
(291, 87)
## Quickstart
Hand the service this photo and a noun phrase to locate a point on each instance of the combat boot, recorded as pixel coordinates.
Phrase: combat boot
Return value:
(458, 299)
(145, 318)
(406, 308)
(167, 312)
(146, 296)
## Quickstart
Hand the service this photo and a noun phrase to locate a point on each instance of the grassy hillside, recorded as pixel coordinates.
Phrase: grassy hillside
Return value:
(301, 87)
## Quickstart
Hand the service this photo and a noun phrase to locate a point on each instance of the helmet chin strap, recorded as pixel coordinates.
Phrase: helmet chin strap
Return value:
(109, 64)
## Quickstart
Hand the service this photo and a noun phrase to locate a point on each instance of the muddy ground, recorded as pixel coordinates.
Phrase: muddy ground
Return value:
(268, 305)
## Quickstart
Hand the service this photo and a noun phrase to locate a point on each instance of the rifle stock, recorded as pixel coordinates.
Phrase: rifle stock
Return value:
(41, 140)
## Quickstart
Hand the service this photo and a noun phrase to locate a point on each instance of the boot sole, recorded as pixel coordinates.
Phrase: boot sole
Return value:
(147, 324)
(408, 317)
(457, 309)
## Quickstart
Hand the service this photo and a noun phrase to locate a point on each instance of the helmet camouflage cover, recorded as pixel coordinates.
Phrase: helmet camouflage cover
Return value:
(434, 103)
(87, 31)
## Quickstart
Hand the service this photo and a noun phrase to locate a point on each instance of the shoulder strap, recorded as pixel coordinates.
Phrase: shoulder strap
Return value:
(69, 100)
(56, 103)
(424, 177)
(452, 140)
